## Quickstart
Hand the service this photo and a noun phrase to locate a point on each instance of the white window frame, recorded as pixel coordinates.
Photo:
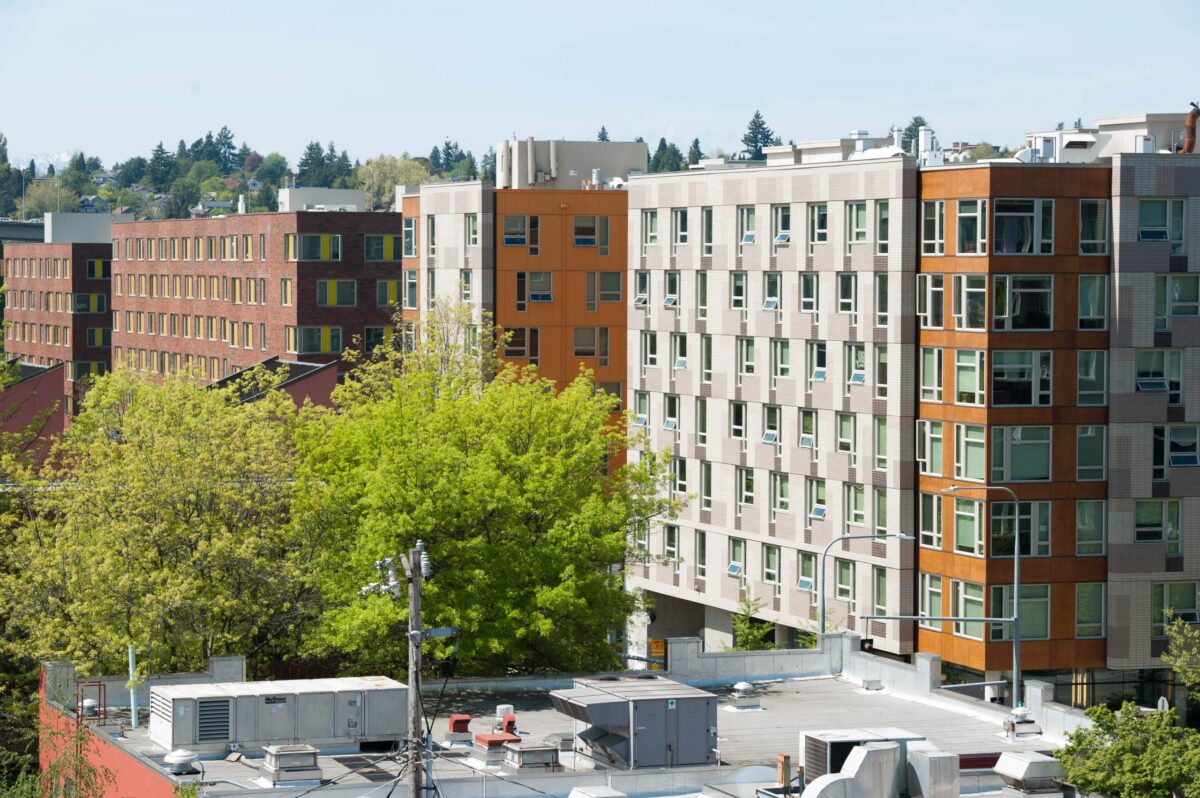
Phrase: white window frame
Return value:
(1002, 443)
(929, 520)
(931, 303)
(1088, 547)
(1094, 473)
(968, 360)
(971, 209)
(1095, 246)
(1091, 359)
(1004, 289)
(1041, 386)
(961, 601)
(930, 447)
(966, 437)
(931, 377)
(1092, 322)
(1042, 240)
(933, 227)
(1035, 515)
(1174, 228)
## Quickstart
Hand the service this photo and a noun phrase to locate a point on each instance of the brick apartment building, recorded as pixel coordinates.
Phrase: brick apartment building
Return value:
(216, 295)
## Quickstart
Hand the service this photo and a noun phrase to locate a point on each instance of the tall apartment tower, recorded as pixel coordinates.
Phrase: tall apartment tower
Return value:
(772, 351)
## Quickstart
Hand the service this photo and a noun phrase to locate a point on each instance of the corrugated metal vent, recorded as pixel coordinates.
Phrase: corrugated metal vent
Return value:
(212, 720)
(816, 758)
(160, 706)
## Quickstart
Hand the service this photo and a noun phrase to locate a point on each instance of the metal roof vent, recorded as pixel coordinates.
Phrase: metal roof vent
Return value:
(290, 763)
(180, 762)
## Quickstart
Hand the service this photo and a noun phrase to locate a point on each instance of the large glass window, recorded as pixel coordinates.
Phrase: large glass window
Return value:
(933, 215)
(1093, 302)
(1093, 377)
(1021, 379)
(931, 375)
(1162, 220)
(969, 452)
(1170, 596)
(856, 222)
(881, 227)
(970, 301)
(1160, 371)
(1023, 302)
(968, 526)
(929, 447)
(972, 227)
(1089, 610)
(929, 519)
(809, 293)
(1031, 520)
(844, 586)
(1091, 455)
(1091, 520)
(1093, 227)
(930, 300)
(1020, 454)
(1175, 296)
(931, 600)
(1158, 521)
(1035, 612)
(1024, 227)
(969, 376)
(967, 601)
(814, 498)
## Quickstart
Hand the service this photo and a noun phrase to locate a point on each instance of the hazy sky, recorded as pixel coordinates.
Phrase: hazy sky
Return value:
(115, 77)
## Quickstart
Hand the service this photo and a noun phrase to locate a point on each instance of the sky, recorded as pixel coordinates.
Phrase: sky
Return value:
(114, 78)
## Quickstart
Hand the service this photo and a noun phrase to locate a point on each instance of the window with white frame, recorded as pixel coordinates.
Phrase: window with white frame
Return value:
(706, 486)
(1093, 301)
(678, 351)
(881, 514)
(968, 526)
(737, 557)
(1168, 600)
(969, 376)
(856, 223)
(809, 292)
(649, 350)
(929, 520)
(1030, 520)
(881, 371)
(780, 493)
(781, 360)
(1091, 522)
(931, 301)
(701, 421)
(649, 229)
(1089, 610)
(702, 295)
(929, 447)
(770, 565)
(772, 422)
(671, 289)
(1174, 446)
(641, 404)
(881, 227)
(847, 283)
(855, 365)
(679, 228)
(1020, 454)
(679, 480)
(814, 498)
(745, 357)
(706, 231)
(1035, 612)
(737, 421)
(772, 290)
(844, 582)
(972, 227)
(816, 362)
(1091, 453)
(1158, 521)
(933, 226)
(1092, 377)
(1023, 302)
(1160, 371)
(781, 224)
(745, 226)
(1175, 296)
(966, 599)
(930, 600)
(881, 299)
(970, 301)
(641, 288)
(671, 412)
(969, 452)
(806, 570)
(706, 358)
(854, 505)
(1093, 227)
(641, 537)
(671, 546)
(818, 225)
(1024, 227)
(878, 590)
(1162, 220)
(881, 443)
(1021, 378)
(808, 429)
(700, 553)
(931, 374)
(737, 291)
(846, 434)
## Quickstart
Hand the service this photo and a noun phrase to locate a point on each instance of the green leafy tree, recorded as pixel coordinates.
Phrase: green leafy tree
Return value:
(694, 154)
(380, 175)
(272, 169)
(603, 134)
(1183, 654)
(1125, 754)
(203, 170)
(43, 196)
(177, 540)
(757, 136)
(505, 480)
(268, 199)
(749, 634)
(131, 172)
(185, 193)
(3, 151)
(487, 165)
(910, 133)
(32, 171)
(50, 170)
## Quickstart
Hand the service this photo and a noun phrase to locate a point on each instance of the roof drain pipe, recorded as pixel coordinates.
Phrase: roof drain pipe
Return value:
(1189, 138)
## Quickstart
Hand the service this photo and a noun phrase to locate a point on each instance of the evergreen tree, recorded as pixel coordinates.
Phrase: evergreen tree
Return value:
(758, 135)
(77, 162)
(181, 151)
(225, 150)
(603, 134)
(487, 165)
(130, 172)
(93, 164)
(451, 154)
(660, 152)
(160, 171)
(694, 153)
(50, 170)
(472, 169)
(32, 169)
(435, 161)
(3, 152)
(268, 198)
(910, 132)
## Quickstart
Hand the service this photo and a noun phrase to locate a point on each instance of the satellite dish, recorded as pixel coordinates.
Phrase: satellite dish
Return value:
(1163, 703)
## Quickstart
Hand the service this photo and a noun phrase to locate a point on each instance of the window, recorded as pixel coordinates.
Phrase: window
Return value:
(336, 293)
(770, 565)
(1174, 296)
(929, 520)
(781, 360)
(641, 405)
(1020, 454)
(929, 447)
(780, 494)
(855, 365)
(781, 224)
(671, 412)
(881, 299)
(808, 429)
(1159, 371)
(701, 556)
(814, 498)
(969, 452)
(1168, 598)
(745, 226)
(1092, 377)
(744, 483)
(808, 292)
(1093, 302)
(410, 238)
(609, 285)
(671, 546)
(1175, 446)
(1158, 521)
(818, 225)
(931, 600)
(1035, 612)
(585, 231)
(591, 342)
(1091, 520)
(931, 375)
(972, 227)
(854, 509)
(300, 246)
(522, 342)
(816, 361)
(381, 248)
(930, 301)
(1093, 227)
(679, 228)
(806, 570)
(516, 231)
(881, 227)
(737, 421)
(99, 269)
(881, 371)
(881, 528)
(772, 419)
(968, 526)
(464, 285)
(1091, 461)
(410, 289)
(706, 231)
(1023, 302)
(541, 286)
(970, 301)
(671, 289)
(969, 376)
(649, 350)
(678, 351)
(641, 297)
(679, 484)
(701, 421)
(879, 590)
(737, 557)
(846, 435)
(1089, 610)
(317, 339)
(649, 229)
(844, 587)
(847, 283)
(967, 600)
(1024, 227)
(706, 486)
(1162, 220)
(706, 358)
(772, 282)
(431, 288)
(701, 295)
(933, 236)
(737, 290)
(1021, 379)
(1031, 520)
(856, 223)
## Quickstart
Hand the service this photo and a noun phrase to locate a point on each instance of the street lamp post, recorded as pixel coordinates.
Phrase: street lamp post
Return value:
(1016, 597)
(821, 593)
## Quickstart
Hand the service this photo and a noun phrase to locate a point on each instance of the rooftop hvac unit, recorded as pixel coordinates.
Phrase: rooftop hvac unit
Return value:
(825, 752)
(318, 712)
(645, 721)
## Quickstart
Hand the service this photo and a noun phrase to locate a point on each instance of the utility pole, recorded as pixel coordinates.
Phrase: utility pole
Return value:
(412, 569)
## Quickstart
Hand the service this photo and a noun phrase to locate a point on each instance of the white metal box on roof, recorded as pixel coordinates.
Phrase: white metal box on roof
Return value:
(247, 715)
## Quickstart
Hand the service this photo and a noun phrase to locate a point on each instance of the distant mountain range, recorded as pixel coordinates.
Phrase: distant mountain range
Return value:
(43, 160)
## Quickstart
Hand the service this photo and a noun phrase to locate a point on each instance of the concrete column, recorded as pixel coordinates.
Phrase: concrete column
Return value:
(783, 635)
(637, 639)
(718, 629)
(993, 691)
